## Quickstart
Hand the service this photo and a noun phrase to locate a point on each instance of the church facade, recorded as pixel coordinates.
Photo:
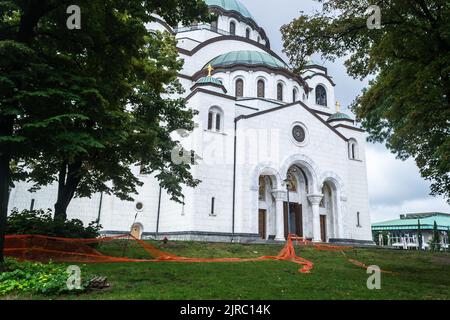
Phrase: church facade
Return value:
(275, 155)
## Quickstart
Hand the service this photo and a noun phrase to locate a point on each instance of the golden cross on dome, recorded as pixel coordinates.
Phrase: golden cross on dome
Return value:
(338, 106)
(210, 69)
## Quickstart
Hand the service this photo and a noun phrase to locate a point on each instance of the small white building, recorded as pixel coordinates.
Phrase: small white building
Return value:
(261, 128)
(404, 233)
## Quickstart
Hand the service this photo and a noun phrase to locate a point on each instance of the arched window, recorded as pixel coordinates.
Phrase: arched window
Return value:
(294, 95)
(358, 220)
(233, 28)
(280, 91)
(353, 152)
(239, 88)
(261, 89)
(213, 200)
(218, 122)
(215, 119)
(247, 33)
(259, 39)
(210, 120)
(321, 96)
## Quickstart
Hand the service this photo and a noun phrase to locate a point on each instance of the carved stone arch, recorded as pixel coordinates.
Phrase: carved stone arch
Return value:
(261, 86)
(338, 183)
(339, 211)
(307, 164)
(137, 229)
(266, 168)
(239, 92)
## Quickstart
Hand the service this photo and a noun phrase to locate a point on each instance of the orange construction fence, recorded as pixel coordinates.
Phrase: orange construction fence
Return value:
(44, 248)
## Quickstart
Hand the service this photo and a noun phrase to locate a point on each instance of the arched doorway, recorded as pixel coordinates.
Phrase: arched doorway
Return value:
(307, 194)
(296, 203)
(266, 207)
(136, 230)
(327, 210)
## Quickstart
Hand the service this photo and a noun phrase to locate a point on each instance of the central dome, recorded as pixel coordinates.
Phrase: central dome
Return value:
(230, 5)
(247, 58)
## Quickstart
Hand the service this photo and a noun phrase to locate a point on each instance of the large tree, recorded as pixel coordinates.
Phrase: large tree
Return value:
(81, 106)
(407, 104)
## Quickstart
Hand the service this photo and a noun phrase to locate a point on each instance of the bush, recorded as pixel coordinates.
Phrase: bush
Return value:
(33, 277)
(41, 222)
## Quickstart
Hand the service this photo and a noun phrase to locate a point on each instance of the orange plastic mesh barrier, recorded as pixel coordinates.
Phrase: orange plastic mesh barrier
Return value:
(319, 246)
(43, 248)
(362, 265)
(327, 247)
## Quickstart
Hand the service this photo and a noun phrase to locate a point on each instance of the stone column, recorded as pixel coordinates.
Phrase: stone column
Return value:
(279, 212)
(314, 200)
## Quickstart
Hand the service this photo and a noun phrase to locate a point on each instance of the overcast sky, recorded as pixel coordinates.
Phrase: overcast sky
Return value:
(394, 186)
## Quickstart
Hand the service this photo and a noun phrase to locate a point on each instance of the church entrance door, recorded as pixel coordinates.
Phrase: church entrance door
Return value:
(296, 219)
(262, 223)
(323, 228)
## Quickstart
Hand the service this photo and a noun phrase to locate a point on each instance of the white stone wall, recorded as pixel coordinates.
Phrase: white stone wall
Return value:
(271, 81)
(241, 27)
(328, 153)
(215, 169)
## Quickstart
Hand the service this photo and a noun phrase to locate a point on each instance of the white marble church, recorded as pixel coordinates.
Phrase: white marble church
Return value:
(276, 154)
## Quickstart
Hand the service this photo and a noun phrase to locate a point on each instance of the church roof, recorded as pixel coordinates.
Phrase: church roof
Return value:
(339, 116)
(206, 80)
(230, 5)
(247, 57)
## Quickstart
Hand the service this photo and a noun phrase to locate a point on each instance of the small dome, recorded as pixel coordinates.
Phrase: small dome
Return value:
(230, 5)
(339, 116)
(247, 58)
(206, 80)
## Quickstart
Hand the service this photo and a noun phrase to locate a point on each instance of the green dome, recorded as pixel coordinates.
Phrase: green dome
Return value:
(247, 58)
(231, 5)
(338, 116)
(206, 80)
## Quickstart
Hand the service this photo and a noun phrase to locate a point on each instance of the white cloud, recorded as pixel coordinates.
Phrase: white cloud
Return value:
(396, 186)
(387, 212)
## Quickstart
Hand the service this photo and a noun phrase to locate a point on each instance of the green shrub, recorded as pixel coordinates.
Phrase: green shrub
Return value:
(33, 277)
(435, 242)
(41, 222)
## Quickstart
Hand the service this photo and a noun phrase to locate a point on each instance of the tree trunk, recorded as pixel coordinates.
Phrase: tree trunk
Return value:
(5, 174)
(67, 185)
(6, 129)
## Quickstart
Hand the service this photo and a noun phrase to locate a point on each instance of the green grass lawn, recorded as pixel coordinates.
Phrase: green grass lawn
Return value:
(419, 275)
